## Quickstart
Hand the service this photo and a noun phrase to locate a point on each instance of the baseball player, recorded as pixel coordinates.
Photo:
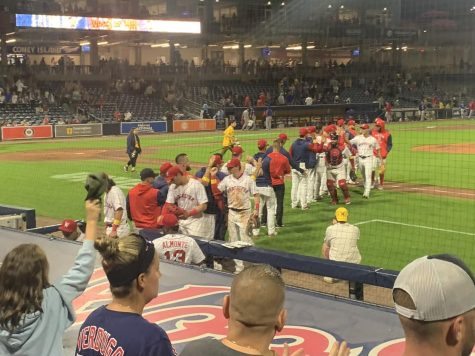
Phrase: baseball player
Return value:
(229, 140)
(385, 141)
(351, 163)
(335, 154)
(312, 166)
(300, 151)
(177, 247)
(321, 170)
(115, 217)
(187, 199)
(238, 187)
(366, 145)
(133, 149)
(268, 116)
(248, 167)
(264, 189)
(245, 119)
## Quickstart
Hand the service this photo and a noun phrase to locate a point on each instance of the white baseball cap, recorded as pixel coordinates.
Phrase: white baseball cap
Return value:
(441, 287)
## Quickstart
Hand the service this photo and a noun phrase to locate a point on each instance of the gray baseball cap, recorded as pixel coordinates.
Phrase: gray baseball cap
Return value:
(441, 287)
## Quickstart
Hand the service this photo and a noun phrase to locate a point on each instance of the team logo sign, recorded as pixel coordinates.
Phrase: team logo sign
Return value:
(29, 132)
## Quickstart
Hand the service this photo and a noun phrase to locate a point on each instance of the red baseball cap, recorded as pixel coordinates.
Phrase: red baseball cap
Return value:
(165, 167)
(330, 128)
(235, 162)
(340, 122)
(169, 220)
(311, 129)
(217, 160)
(68, 226)
(237, 150)
(364, 126)
(262, 144)
(351, 123)
(303, 131)
(283, 136)
(173, 172)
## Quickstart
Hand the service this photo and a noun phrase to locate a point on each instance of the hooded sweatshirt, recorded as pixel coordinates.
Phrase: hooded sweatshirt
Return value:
(144, 208)
(41, 333)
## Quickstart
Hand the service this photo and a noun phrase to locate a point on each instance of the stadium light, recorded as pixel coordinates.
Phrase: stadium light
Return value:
(330, 6)
(9, 33)
(11, 40)
(248, 46)
(102, 43)
(161, 45)
(342, 6)
(283, 3)
(84, 43)
(310, 47)
(385, 9)
(269, 3)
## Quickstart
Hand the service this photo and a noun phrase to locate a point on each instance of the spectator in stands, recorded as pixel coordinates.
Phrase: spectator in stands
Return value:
(255, 312)
(187, 199)
(132, 269)
(161, 182)
(33, 313)
(143, 202)
(177, 247)
(70, 231)
(210, 177)
(341, 238)
(435, 299)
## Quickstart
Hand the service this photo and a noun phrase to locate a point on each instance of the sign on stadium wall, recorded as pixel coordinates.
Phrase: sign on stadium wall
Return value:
(194, 125)
(78, 130)
(27, 132)
(143, 127)
(44, 49)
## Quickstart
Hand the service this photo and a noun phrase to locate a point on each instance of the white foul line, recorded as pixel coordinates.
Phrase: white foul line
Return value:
(418, 226)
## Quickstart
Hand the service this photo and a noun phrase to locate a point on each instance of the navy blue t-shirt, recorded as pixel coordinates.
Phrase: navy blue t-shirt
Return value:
(107, 332)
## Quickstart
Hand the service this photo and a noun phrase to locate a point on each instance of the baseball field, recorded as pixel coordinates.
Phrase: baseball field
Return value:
(428, 204)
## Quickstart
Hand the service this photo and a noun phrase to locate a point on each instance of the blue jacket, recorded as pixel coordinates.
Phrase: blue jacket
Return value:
(313, 158)
(263, 180)
(132, 141)
(300, 151)
(161, 184)
(42, 333)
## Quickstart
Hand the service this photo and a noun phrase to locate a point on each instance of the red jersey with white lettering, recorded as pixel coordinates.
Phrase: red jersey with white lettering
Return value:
(179, 248)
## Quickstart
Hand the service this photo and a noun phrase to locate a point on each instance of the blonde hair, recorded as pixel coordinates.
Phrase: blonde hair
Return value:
(23, 276)
(117, 253)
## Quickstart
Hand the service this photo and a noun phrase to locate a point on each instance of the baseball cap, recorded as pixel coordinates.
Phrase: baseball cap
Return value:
(235, 162)
(341, 214)
(147, 173)
(283, 136)
(165, 167)
(340, 122)
(441, 287)
(311, 129)
(303, 131)
(365, 126)
(351, 123)
(169, 220)
(237, 150)
(329, 128)
(217, 160)
(68, 226)
(173, 172)
(262, 144)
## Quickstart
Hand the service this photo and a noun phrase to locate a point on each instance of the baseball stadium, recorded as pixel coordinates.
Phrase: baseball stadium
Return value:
(317, 149)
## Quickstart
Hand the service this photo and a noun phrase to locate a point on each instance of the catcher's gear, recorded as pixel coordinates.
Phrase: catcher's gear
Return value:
(252, 224)
(353, 176)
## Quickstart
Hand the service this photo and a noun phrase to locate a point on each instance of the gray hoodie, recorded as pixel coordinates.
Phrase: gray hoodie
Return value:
(41, 334)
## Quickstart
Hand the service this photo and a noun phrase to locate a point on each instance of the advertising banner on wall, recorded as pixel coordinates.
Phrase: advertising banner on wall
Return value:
(27, 132)
(143, 127)
(44, 49)
(194, 125)
(78, 130)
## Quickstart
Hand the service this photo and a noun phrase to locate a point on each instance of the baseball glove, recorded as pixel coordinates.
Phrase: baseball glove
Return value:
(353, 176)
(252, 224)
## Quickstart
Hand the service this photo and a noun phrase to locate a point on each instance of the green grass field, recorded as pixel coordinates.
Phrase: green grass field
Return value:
(395, 226)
